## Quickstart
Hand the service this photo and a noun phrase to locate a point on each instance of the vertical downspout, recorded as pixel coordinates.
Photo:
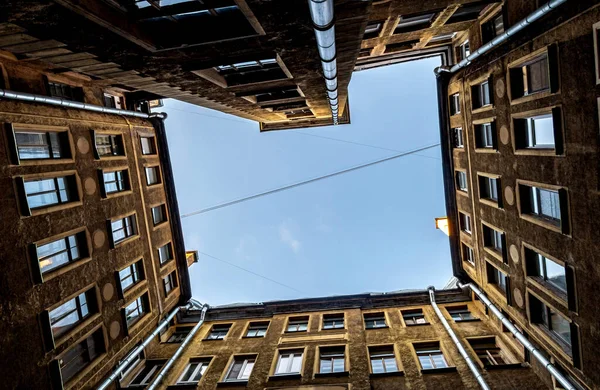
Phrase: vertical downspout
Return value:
(459, 346)
(165, 370)
(535, 351)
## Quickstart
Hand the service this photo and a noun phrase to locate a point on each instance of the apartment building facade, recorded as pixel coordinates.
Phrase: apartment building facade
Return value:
(93, 254)
(520, 126)
(367, 341)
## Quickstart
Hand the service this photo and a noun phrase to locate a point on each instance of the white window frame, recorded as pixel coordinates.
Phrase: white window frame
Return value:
(202, 367)
(291, 355)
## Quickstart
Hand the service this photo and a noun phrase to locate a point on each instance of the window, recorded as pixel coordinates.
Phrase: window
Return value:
(467, 12)
(152, 175)
(530, 78)
(257, 329)
(535, 132)
(148, 145)
(170, 282)
(493, 239)
(179, 334)
(332, 359)
(333, 321)
(289, 362)
(414, 317)
(458, 137)
(454, 104)
(113, 101)
(414, 22)
(42, 145)
(297, 324)
(489, 188)
(488, 352)
(550, 320)
(218, 332)
(485, 135)
(465, 222)
(373, 29)
(81, 355)
(543, 204)
(41, 193)
(481, 95)
(136, 310)
(65, 91)
(71, 313)
(165, 253)
(375, 320)
(116, 181)
(145, 376)
(430, 356)
(249, 72)
(497, 278)
(463, 50)
(123, 228)
(159, 214)
(546, 269)
(460, 313)
(109, 145)
(468, 254)
(131, 275)
(492, 28)
(193, 372)
(461, 181)
(383, 359)
(240, 368)
(62, 251)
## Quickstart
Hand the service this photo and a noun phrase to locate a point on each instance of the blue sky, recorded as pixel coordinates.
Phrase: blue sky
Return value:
(368, 230)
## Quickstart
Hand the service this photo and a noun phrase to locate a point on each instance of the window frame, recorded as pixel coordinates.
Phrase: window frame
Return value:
(117, 140)
(297, 321)
(571, 347)
(375, 316)
(221, 326)
(514, 71)
(125, 181)
(332, 352)
(152, 143)
(421, 347)
(245, 361)
(455, 102)
(562, 225)
(521, 131)
(460, 310)
(494, 241)
(493, 279)
(458, 175)
(490, 185)
(334, 318)
(471, 251)
(294, 352)
(509, 359)
(256, 326)
(141, 276)
(75, 93)
(164, 212)
(202, 362)
(143, 304)
(170, 280)
(378, 352)
(157, 170)
(485, 141)
(170, 251)
(459, 138)
(135, 231)
(465, 222)
(72, 181)
(65, 140)
(412, 313)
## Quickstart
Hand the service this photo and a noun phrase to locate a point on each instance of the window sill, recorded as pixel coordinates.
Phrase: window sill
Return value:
(51, 209)
(283, 377)
(543, 223)
(386, 374)
(469, 320)
(503, 366)
(111, 158)
(213, 340)
(336, 330)
(160, 225)
(117, 194)
(63, 270)
(490, 202)
(531, 96)
(153, 185)
(411, 325)
(44, 161)
(253, 337)
(295, 331)
(493, 253)
(379, 327)
(486, 150)
(85, 324)
(125, 241)
(477, 110)
(332, 374)
(537, 152)
(463, 193)
(548, 289)
(233, 383)
(439, 370)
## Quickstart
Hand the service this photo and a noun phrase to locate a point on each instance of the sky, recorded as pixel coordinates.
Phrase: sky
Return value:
(370, 230)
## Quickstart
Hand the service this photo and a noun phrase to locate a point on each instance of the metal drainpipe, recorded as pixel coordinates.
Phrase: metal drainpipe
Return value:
(165, 370)
(322, 14)
(535, 351)
(461, 349)
(133, 354)
(535, 15)
(28, 97)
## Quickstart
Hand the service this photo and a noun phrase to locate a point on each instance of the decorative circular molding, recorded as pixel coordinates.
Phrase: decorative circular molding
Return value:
(115, 329)
(514, 253)
(99, 238)
(504, 135)
(500, 88)
(518, 297)
(107, 292)
(83, 145)
(90, 186)
(509, 195)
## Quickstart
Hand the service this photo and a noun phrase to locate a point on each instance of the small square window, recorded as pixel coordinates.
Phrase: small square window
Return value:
(463, 51)
(165, 253)
(455, 104)
(492, 28)
(460, 313)
(218, 332)
(461, 181)
(383, 359)
(170, 283)
(240, 369)
(65, 91)
(114, 181)
(546, 205)
(531, 77)
(159, 214)
(467, 253)
(414, 317)
(40, 144)
(289, 362)
(332, 359)
(333, 321)
(131, 275)
(497, 278)
(137, 309)
(430, 356)
(485, 135)
(490, 353)
(123, 228)
(536, 132)
(257, 329)
(179, 334)
(108, 145)
(481, 95)
(148, 145)
(193, 372)
(458, 137)
(152, 175)
(465, 222)
(494, 240)
(489, 189)
(297, 324)
(375, 320)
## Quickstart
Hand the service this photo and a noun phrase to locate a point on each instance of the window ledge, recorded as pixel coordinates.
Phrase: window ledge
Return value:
(116, 194)
(543, 223)
(490, 202)
(51, 209)
(410, 325)
(537, 152)
(295, 331)
(439, 370)
(64, 269)
(213, 340)
(386, 374)
(125, 241)
(531, 96)
(486, 150)
(504, 366)
(233, 383)
(332, 374)
(468, 320)
(379, 327)
(283, 377)
(336, 330)
(253, 337)
(482, 108)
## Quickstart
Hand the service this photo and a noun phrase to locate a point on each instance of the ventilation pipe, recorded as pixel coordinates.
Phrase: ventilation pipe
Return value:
(28, 97)
(321, 12)
(165, 370)
(137, 350)
(459, 346)
(537, 14)
(535, 351)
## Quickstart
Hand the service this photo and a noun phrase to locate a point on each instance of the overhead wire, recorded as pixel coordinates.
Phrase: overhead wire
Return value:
(308, 181)
(251, 272)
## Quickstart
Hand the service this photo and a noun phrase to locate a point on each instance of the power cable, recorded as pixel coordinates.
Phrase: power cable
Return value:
(251, 272)
(304, 182)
